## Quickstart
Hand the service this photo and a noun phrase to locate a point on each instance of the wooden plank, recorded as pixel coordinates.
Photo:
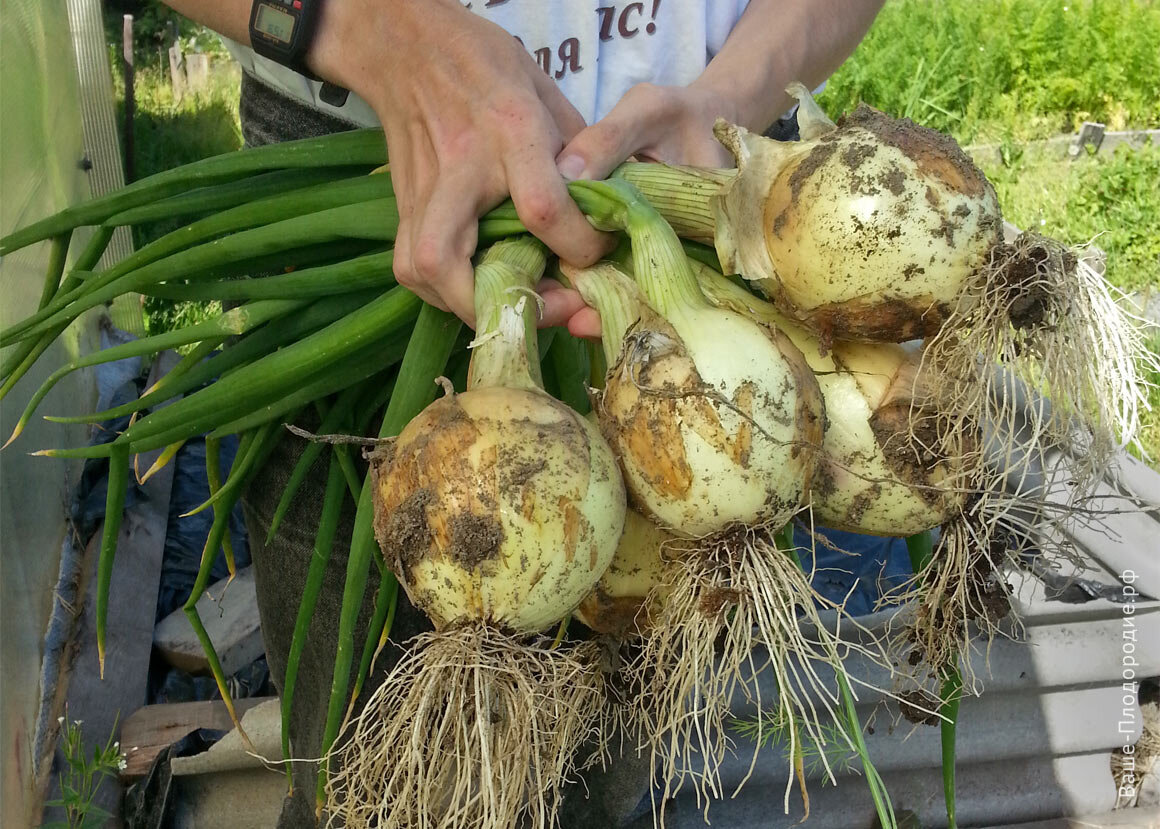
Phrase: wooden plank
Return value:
(177, 71)
(149, 730)
(197, 71)
(102, 704)
(1060, 145)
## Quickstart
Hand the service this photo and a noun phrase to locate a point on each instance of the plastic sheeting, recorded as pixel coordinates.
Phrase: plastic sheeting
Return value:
(40, 173)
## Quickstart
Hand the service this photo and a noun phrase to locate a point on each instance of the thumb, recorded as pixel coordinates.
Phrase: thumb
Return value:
(595, 151)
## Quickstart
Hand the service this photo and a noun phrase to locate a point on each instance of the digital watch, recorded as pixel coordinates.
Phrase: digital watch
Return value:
(282, 30)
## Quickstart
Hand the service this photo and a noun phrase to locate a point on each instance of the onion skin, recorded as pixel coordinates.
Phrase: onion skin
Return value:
(619, 604)
(870, 475)
(715, 425)
(869, 231)
(498, 505)
(876, 475)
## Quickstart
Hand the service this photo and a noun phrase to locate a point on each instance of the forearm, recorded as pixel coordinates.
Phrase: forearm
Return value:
(350, 39)
(230, 18)
(779, 41)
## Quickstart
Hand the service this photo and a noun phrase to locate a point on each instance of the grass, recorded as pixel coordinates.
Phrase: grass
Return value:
(989, 70)
(1111, 199)
(169, 132)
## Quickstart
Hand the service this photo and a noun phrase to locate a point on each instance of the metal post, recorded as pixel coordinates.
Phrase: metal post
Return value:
(130, 103)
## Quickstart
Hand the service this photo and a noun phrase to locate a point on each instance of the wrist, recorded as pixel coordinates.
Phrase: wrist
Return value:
(749, 104)
(357, 40)
(332, 51)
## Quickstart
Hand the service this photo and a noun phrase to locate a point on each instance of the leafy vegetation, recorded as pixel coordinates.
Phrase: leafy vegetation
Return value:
(988, 70)
(1110, 200)
(81, 777)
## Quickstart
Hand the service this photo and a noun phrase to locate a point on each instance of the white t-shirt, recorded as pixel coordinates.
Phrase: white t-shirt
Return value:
(594, 50)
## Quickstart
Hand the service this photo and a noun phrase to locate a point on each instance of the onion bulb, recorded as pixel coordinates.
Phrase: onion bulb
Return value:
(619, 604)
(498, 509)
(715, 418)
(872, 475)
(867, 230)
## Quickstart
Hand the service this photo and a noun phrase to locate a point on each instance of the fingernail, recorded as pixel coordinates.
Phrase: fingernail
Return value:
(571, 167)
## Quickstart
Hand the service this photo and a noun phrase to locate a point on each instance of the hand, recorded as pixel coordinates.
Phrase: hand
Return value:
(469, 119)
(659, 123)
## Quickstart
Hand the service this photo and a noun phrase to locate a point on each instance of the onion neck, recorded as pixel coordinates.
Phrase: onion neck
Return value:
(660, 266)
(614, 296)
(723, 292)
(506, 349)
(683, 195)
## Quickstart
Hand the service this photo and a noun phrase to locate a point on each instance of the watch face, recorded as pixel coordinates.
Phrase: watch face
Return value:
(275, 23)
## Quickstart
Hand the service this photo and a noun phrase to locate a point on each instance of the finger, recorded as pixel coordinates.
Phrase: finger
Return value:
(445, 239)
(543, 204)
(585, 323)
(595, 151)
(429, 296)
(559, 305)
(401, 264)
(407, 168)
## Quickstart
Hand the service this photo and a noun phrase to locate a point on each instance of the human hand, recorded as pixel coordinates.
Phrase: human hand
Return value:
(469, 119)
(659, 123)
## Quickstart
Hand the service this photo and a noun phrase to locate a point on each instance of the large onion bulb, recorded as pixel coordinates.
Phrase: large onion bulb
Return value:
(715, 418)
(498, 509)
(499, 504)
(867, 230)
(619, 604)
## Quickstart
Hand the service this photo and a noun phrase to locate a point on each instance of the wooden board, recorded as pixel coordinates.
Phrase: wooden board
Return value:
(148, 731)
(103, 704)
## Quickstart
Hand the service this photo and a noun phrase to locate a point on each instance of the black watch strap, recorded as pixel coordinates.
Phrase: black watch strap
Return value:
(282, 30)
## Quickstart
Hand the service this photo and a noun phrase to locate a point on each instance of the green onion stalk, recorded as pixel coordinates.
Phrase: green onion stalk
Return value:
(921, 550)
(717, 420)
(497, 509)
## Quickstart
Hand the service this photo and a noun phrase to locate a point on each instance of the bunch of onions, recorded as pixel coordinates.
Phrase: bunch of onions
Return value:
(883, 470)
(717, 422)
(498, 508)
(877, 229)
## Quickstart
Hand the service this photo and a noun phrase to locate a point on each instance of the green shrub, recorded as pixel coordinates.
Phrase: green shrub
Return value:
(989, 69)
